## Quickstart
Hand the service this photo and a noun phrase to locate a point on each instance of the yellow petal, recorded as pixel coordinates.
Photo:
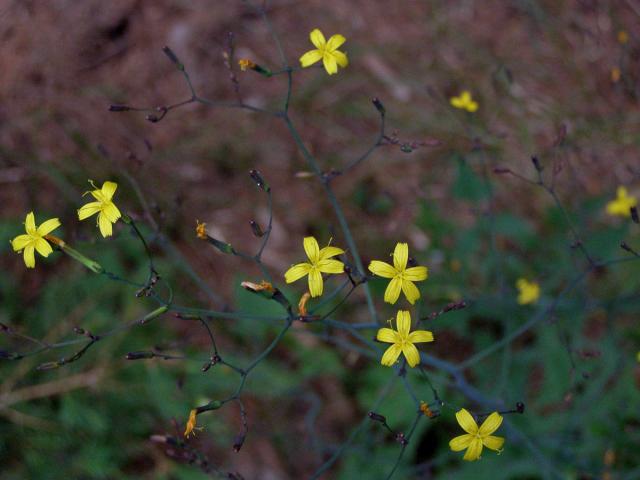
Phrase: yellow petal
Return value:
(29, 256)
(30, 223)
(403, 323)
(335, 41)
(456, 102)
(89, 209)
(416, 274)
(341, 58)
(388, 335)
(391, 355)
(105, 225)
(466, 421)
(111, 212)
(491, 424)
(621, 192)
(494, 443)
(98, 195)
(48, 226)
(411, 354)
(382, 269)
(311, 57)
(330, 64)
(461, 442)
(20, 242)
(312, 249)
(328, 252)
(108, 189)
(474, 450)
(410, 291)
(400, 256)
(392, 292)
(317, 38)
(315, 282)
(472, 106)
(43, 247)
(466, 96)
(331, 266)
(421, 336)
(296, 272)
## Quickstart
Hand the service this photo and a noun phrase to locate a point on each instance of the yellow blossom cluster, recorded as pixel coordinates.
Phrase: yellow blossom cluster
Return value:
(37, 238)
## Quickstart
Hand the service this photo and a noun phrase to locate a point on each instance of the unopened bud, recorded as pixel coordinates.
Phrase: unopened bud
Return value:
(634, 215)
(255, 228)
(119, 108)
(259, 181)
(238, 442)
(377, 417)
(155, 314)
(173, 57)
(139, 355)
(520, 407)
(536, 163)
(379, 106)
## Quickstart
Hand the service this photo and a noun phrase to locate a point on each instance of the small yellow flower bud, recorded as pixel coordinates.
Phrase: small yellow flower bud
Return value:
(615, 74)
(623, 37)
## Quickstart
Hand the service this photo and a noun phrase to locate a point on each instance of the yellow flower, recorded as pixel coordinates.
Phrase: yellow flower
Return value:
(245, 64)
(191, 423)
(623, 37)
(34, 239)
(464, 102)
(201, 230)
(615, 74)
(402, 340)
(326, 51)
(476, 438)
(320, 262)
(107, 212)
(529, 291)
(402, 278)
(622, 204)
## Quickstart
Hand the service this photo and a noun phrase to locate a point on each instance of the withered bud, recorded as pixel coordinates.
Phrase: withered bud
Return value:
(79, 330)
(259, 181)
(255, 228)
(634, 215)
(520, 407)
(302, 304)
(119, 108)
(4, 328)
(501, 170)
(304, 174)
(48, 366)
(255, 287)
(379, 106)
(377, 417)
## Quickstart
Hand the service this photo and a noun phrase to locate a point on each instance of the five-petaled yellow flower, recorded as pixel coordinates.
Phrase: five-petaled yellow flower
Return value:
(402, 278)
(34, 239)
(529, 292)
(476, 438)
(327, 51)
(464, 102)
(107, 212)
(320, 262)
(402, 340)
(622, 204)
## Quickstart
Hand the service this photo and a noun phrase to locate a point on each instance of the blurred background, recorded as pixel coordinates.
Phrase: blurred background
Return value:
(559, 80)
